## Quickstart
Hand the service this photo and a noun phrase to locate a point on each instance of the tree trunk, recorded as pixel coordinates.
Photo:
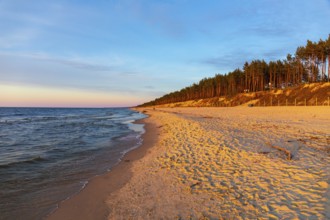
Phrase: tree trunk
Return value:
(323, 67)
(328, 67)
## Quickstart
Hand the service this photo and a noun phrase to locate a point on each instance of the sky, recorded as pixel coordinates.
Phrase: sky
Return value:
(122, 53)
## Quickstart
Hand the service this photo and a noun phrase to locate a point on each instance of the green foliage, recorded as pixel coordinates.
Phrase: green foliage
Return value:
(307, 66)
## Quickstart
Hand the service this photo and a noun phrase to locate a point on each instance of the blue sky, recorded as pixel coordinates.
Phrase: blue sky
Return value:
(131, 51)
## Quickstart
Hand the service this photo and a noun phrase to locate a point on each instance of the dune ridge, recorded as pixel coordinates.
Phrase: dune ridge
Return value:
(313, 94)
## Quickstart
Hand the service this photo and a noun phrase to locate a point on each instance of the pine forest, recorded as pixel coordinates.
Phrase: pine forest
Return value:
(310, 64)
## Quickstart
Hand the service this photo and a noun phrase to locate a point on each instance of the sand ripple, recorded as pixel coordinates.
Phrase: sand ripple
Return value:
(218, 163)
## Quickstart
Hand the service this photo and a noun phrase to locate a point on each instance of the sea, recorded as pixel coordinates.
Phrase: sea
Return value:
(49, 154)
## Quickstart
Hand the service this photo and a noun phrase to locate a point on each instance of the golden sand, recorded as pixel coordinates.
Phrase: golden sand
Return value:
(220, 163)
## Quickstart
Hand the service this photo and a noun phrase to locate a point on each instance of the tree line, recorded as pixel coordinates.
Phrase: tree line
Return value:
(308, 65)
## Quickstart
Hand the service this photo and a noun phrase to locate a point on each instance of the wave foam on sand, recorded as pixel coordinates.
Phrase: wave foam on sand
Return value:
(223, 163)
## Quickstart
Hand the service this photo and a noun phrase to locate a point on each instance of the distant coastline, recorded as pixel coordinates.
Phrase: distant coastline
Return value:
(313, 94)
(310, 64)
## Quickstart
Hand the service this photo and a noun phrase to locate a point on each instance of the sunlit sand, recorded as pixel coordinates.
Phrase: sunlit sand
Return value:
(221, 163)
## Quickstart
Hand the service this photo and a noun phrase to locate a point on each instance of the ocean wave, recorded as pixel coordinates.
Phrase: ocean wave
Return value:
(34, 160)
(54, 151)
(36, 119)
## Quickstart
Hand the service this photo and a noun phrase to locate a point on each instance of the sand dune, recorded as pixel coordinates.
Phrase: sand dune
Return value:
(212, 163)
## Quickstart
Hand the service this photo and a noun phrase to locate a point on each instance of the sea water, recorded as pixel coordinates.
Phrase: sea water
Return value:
(49, 154)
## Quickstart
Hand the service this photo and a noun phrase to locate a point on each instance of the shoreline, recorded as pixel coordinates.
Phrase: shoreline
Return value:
(217, 163)
(90, 202)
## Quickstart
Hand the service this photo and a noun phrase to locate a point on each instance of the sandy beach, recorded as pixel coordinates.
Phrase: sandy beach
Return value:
(212, 163)
(218, 163)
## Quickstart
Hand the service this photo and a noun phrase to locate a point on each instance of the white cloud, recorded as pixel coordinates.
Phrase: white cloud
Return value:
(40, 69)
(17, 38)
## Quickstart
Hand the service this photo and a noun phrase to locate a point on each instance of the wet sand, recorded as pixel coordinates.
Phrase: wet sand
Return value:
(90, 203)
